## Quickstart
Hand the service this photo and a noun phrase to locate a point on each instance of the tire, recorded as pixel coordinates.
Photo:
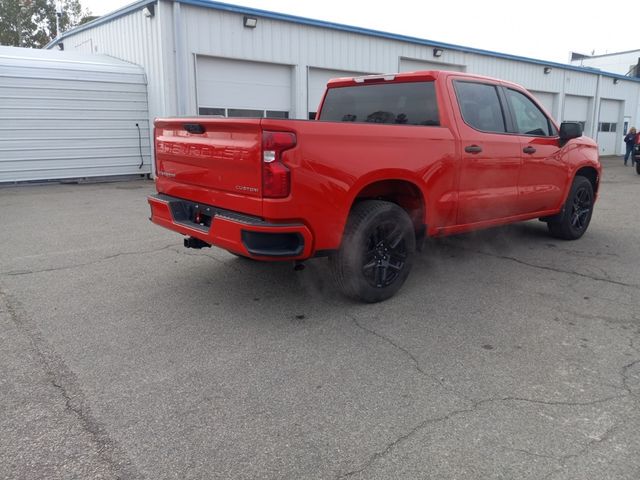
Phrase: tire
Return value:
(376, 254)
(637, 167)
(573, 220)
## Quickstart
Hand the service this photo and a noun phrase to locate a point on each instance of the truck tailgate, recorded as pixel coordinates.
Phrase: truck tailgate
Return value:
(214, 161)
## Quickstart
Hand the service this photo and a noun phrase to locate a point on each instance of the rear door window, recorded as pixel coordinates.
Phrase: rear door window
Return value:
(480, 106)
(392, 103)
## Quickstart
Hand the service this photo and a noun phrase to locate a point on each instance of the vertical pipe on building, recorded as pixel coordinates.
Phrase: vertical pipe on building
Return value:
(596, 111)
(180, 60)
(563, 94)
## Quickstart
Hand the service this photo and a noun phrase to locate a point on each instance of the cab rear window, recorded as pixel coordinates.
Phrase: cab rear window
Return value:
(392, 103)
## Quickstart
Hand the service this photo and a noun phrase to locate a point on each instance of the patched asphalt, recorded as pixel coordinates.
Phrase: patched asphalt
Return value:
(507, 354)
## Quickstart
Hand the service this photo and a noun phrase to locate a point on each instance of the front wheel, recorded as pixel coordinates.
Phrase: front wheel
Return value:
(573, 220)
(377, 250)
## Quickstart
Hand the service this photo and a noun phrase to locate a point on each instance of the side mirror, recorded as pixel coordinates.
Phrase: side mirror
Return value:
(569, 130)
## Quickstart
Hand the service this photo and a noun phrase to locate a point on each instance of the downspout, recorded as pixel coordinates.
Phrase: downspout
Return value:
(180, 60)
(596, 112)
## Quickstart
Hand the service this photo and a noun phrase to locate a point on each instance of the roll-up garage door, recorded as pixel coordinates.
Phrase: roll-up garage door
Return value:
(576, 109)
(411, 65)
(546, 99)
(317, 81)
(608, 126)
(237, 88)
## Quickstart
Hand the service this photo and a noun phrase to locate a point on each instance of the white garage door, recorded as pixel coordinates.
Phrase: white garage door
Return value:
(236, 88)
(608, 126)
(410, 65)
(68, 115)
(576, 109)
(547, 100)
(316, 83)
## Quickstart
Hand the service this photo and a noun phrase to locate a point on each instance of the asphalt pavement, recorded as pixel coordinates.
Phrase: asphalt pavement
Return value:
(507, 354)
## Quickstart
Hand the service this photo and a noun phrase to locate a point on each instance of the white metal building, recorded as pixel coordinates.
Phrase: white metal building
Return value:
(71, 115)
(210, 58)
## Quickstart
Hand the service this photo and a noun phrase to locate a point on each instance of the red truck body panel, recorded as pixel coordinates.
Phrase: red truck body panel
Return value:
(334, 163)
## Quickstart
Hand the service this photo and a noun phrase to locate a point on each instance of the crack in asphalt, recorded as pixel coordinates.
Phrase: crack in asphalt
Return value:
(532, 454)
(606, 435)
(479, 403)
(65, 382)
(625, 378)
(548, 268)
(390, 446)
(412, 358)
(15, 273)
(476, 405)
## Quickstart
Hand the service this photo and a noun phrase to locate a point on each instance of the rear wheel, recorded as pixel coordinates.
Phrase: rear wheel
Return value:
(377, 251)
(573, 220)
(637, 167)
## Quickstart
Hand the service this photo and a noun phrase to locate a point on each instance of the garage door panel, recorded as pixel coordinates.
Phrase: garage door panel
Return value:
(610, 110)
(576, 108)
(227, 83)
(545, 99)
(610, 113)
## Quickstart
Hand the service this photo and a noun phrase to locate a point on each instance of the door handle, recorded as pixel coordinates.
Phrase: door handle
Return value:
(473, 149)
(529, 150)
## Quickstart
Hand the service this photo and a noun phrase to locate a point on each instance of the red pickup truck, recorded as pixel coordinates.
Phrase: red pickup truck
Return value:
(388, 160)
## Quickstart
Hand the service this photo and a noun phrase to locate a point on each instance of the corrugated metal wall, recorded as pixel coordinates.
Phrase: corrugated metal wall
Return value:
(199, 31)
(140, 40)
(71, 115)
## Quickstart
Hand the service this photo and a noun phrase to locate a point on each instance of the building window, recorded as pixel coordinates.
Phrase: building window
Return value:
(241, 112)
(607, 127)
(244, 113)
(276, 114)
(218, 112)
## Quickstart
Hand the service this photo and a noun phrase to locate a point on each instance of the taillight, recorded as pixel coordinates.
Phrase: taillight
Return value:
(276, 177)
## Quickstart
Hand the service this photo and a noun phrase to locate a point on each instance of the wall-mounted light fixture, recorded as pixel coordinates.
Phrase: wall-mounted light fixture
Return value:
(149, 11)
(250, 22)
(60, 46)
(615, 81)
(547, 70)
(437, 52)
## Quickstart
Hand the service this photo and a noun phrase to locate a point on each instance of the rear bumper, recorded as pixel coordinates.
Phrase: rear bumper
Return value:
(243, 234)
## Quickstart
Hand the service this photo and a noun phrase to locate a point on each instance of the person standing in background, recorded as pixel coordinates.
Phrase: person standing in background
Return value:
(630, 141)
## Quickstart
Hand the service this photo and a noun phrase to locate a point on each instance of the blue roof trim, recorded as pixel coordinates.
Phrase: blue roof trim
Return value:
(337, 26)
(100, 20)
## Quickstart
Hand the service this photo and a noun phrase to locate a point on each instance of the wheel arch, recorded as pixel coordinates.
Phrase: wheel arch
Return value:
(404, 193)
(592, 175)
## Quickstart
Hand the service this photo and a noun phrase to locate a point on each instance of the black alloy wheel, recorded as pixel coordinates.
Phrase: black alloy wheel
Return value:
(376, 254)
(574, 219)
(385, 255)
(581, 207)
